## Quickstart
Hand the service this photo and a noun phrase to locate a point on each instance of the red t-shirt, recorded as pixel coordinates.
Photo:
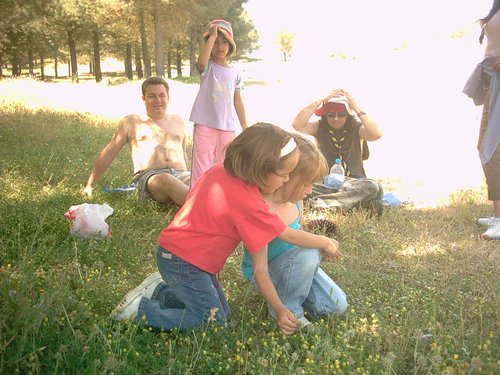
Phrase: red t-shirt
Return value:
(219, 212)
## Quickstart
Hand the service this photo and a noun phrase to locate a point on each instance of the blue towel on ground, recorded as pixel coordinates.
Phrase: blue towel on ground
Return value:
(126, 189)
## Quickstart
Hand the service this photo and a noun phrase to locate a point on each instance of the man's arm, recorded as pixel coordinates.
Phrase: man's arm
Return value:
(184, 150)
(240, 110)
(106, 156)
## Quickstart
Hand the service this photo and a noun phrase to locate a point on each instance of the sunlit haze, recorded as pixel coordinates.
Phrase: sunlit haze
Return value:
(406, 63)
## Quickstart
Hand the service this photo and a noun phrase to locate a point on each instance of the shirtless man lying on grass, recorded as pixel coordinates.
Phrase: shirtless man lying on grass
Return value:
(158, 148)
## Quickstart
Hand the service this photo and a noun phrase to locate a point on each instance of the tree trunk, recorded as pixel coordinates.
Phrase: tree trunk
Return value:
(97, 55)
(31, 72)
(128, 62)
(56, 75)
(72, 53)
(160, 66)
(144, 41)
(16, 71)
(138, 64)
(192, 51)
(42, 66)
(169, 61)
(179, 62)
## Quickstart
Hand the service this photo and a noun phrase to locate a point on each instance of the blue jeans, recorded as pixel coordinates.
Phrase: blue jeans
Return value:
(303, 286)
(187, 299)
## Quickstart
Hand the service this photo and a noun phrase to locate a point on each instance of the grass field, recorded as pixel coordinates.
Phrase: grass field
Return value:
(423, 289)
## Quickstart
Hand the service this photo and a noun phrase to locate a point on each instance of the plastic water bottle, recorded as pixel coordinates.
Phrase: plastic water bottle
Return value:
(336, 177)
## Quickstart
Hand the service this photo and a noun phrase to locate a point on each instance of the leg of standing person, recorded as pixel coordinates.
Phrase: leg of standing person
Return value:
(325, 296)
(491, 170)
(198, 297)
(223, 139)
(164, 187)
(492, 174)
(204, 143)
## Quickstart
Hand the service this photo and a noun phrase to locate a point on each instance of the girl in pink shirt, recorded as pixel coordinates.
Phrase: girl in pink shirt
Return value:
(222, 209)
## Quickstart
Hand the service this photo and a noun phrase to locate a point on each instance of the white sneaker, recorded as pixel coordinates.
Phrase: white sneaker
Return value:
(493, 232)
(128, 311)
(128, 306)
(485, 221)
(305, 324)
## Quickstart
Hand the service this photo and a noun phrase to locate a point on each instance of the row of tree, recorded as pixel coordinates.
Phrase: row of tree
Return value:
(137, 32)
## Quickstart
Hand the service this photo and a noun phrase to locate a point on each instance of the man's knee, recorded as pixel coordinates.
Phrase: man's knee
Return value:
(161, 186)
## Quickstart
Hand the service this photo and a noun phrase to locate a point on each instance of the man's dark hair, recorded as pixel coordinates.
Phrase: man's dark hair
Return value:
(156, 80)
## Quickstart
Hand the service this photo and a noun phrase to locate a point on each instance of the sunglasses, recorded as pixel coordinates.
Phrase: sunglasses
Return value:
(336, 114)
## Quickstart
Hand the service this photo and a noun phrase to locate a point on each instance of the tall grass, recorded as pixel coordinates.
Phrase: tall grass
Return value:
(423, 289)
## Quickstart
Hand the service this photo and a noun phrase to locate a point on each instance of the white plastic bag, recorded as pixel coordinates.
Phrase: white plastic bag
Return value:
(88, 220)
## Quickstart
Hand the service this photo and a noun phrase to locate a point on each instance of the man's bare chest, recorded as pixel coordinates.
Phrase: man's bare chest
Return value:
(154, 133)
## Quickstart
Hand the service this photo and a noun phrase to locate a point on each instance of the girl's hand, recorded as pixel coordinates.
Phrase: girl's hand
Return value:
(287, 322)
(212, 30)
(330, 252)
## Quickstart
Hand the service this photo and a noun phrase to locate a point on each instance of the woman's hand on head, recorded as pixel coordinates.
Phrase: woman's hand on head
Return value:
(335, 93)
(352, 102)
(330, 251)
(287, 322)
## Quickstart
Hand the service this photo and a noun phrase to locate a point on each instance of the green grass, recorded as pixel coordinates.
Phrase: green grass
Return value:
(423, 289)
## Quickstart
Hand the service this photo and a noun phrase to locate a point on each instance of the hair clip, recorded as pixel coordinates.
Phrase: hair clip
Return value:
(289, 147)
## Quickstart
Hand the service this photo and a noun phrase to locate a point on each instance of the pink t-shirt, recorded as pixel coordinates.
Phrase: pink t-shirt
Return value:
(219, 212)
(214, 104)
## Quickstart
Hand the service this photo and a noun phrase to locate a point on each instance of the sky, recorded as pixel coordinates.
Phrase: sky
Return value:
(325, 25)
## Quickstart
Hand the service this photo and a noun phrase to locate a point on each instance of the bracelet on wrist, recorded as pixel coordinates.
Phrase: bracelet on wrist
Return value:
(361, 113)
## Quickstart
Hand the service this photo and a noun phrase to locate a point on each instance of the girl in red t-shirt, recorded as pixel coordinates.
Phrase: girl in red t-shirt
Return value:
(223, 208)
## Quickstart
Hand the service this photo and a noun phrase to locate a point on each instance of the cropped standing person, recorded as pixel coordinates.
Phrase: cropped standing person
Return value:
(219, 100)
(486, 91)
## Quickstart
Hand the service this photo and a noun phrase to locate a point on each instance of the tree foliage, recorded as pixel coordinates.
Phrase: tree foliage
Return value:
(285, 41)
(86, 31)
